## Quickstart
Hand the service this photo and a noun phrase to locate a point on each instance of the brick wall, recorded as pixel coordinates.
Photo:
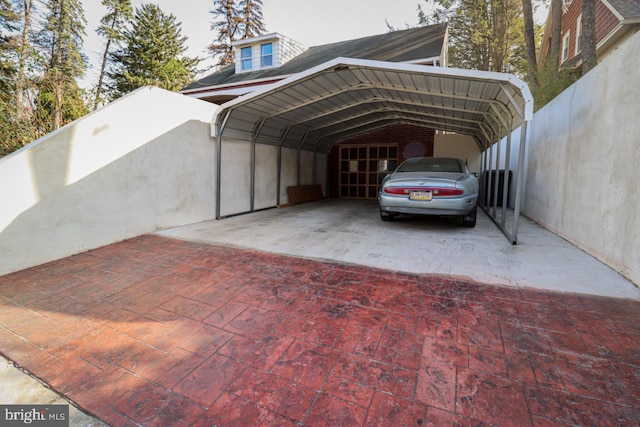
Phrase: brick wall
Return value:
(413, 141)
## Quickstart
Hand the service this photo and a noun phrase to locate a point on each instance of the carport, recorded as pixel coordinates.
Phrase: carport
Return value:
(309, 112)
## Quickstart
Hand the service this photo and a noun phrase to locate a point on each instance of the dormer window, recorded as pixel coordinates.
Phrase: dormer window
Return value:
(246, 58)
(266, 55)
(263, 52)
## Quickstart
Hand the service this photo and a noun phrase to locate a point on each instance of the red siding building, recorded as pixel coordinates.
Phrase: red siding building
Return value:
(616, 20)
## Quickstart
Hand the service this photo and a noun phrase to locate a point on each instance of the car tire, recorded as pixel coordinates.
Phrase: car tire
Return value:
(470, 219)
(386, 216)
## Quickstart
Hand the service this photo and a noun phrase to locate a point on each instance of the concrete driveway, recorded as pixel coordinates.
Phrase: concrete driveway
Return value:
(351, 231)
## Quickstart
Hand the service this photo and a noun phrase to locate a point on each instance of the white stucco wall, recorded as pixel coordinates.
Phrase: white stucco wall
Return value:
(139, 164)
(584, 162)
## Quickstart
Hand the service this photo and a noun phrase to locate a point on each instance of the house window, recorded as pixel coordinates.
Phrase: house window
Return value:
(565, 46)
(266, 55)
(245, 58)
(579, 35)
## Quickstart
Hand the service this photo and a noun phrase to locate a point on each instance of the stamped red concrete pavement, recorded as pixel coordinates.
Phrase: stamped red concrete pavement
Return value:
(155, 331)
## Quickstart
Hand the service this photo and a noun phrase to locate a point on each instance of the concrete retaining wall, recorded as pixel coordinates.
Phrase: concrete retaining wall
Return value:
(142, 163)
(584, 162)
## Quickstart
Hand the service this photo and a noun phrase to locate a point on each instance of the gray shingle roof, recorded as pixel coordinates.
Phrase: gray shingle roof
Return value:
(397, 46)
(629, 9)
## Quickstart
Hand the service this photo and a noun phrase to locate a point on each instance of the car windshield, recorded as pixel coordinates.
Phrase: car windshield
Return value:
(430, 164)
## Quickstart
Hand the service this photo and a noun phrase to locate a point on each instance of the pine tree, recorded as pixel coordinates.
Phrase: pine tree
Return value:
(484, 34)
(8, 19)
(152, 54)
(61, 41)
(226, 23)
(234, 21)
(112, 26)
(252, 20)
(17, 55)
(25, 53)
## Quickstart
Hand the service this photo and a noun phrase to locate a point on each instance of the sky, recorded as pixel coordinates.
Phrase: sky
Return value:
(310, 22)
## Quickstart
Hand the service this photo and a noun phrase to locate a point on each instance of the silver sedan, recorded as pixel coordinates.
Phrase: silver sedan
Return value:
(430, 186)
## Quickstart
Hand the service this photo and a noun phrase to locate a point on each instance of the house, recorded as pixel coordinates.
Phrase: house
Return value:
(616, 22)
(270, 58)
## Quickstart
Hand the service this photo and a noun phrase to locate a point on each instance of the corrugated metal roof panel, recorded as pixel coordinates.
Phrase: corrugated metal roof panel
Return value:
(347, 96)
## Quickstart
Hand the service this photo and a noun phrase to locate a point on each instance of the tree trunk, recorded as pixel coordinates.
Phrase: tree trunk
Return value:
(27, 6)
(105, 57)
(58, 78)
(589, 55)
(556, 31)
(529, 40)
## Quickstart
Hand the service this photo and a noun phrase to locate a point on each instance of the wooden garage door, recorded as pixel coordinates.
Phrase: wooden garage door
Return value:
(362, 168)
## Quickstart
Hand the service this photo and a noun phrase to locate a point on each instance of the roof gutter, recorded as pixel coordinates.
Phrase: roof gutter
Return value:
(245, 83)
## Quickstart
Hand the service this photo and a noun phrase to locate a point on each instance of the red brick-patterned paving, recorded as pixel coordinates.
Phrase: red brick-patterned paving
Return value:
(155, 332)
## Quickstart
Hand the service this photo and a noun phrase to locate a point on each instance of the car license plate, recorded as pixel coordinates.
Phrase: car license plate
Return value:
(420, 195)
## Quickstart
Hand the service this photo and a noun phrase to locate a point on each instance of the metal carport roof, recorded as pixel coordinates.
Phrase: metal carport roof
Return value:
(343, 97)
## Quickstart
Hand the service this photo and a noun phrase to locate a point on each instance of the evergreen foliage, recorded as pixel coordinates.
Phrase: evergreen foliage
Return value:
(8, 19)
(484, 34)
(550, 82)
(152, 54)
(252, 24)
(234, 20)
(111, 27)
(16, 128)
(226, 24)
(60, 41)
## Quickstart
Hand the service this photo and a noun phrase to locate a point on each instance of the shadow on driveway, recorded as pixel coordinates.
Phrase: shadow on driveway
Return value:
(158, 331)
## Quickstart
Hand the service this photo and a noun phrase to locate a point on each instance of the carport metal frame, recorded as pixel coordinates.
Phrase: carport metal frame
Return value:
(312, 110)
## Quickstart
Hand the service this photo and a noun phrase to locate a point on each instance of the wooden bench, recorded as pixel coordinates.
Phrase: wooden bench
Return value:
(304, 193)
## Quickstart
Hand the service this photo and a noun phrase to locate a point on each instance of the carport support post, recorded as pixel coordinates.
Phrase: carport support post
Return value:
(505, 189)
(497, 180)
(253, 176)
(489, 180)
(484, 176)
(315, 166)
(519, 179)
(219, 130)
(279, 178)
(299, 171)
(254, 138)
